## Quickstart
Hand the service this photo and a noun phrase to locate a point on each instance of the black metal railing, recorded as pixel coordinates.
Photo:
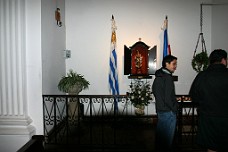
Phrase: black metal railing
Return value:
(187, 119)
(91, 120)
(97, 120)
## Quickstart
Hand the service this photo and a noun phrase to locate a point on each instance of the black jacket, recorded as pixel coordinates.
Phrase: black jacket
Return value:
(164, 91)
(210, 91)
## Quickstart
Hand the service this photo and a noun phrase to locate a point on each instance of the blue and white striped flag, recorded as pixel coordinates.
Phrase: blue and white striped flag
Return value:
(113, 71)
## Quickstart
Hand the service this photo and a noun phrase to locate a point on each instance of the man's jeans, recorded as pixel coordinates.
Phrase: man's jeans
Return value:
(165, 130)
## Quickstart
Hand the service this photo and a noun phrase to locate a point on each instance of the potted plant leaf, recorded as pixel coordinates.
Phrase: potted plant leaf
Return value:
(200, 62)
(73, 83)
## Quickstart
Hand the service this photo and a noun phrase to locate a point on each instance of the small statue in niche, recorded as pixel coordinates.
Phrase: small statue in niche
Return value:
(138, 62)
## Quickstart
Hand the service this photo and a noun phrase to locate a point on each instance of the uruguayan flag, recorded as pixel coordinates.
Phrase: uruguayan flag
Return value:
(113, 72)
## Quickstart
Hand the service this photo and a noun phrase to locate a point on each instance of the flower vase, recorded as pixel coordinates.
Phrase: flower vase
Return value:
(139, 110)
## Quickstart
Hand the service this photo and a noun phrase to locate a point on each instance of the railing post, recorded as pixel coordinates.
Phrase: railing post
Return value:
(67, 117)
(193, 122)
(55, 128)
(91, 135)
(180, 109)
(102, 121)
(115, 115)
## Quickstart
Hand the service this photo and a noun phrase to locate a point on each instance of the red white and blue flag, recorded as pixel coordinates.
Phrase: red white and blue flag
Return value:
(166, 46)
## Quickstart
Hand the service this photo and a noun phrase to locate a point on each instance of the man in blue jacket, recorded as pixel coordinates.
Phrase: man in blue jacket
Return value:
(210, 91)
(165, 103)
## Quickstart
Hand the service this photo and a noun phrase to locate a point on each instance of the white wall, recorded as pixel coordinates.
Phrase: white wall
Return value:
(45, 42)
(34, 65)
(219, 26)
(53, 46)
(88, 34)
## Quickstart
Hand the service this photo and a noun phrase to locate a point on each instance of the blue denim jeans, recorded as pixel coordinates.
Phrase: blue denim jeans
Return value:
(165, 130)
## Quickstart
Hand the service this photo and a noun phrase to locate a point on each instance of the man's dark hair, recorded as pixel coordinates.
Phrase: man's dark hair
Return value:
(168, 59)
(217, 55)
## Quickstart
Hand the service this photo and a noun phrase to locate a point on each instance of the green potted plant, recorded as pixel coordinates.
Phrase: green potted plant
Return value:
(200, 61)
(73, 83)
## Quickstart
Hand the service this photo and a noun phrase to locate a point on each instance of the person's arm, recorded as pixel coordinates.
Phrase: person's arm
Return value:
(169, 92)
(157, 89)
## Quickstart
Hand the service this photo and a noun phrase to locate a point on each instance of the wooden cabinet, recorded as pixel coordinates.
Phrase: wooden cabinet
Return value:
(140, 59)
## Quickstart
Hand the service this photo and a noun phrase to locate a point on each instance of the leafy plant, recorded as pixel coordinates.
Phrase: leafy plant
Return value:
(140, 93)
(200, 61)
(73, 83)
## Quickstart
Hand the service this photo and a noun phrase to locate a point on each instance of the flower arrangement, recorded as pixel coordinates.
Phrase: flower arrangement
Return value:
(140, 93)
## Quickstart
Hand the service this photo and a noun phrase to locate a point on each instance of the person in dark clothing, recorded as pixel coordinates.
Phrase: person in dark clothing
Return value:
(165, 103)
(210, 91)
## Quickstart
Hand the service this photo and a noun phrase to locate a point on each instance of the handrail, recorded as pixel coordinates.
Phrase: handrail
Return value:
(59, 115)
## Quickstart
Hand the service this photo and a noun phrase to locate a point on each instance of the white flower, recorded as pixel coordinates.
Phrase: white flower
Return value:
(140, 92)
